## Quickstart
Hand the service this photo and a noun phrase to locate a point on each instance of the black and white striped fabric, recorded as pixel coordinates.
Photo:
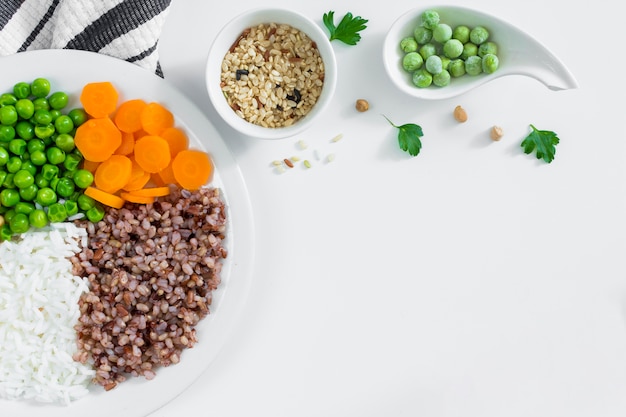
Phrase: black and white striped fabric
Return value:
(125, 29)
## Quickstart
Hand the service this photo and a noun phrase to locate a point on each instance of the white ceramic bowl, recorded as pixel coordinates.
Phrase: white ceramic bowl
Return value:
(229, 34)
(518, 53)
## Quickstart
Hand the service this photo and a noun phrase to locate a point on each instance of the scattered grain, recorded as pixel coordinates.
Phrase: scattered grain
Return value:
(496, 133)
(362, 105)
(460, 114)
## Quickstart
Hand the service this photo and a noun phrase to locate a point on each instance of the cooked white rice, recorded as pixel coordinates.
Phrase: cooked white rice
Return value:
(38, 310)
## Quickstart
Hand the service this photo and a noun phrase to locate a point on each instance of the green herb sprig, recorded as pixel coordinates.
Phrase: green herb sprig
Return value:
(409, 137)
(543, 142)
(347, 31)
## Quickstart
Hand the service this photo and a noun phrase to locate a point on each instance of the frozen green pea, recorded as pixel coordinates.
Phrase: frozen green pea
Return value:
(442, 79)
(473, 65)
(433, 64)
(445, 62)
(453, 48)
(412, 61)
(456, 68)
(408, 44)
(430, 19)
(442, 32)
(461, 33)
(488, 47)
(422, 35)
(469, 49)
(422, 78)
(478, 35)
(490, 63)
(427, 50)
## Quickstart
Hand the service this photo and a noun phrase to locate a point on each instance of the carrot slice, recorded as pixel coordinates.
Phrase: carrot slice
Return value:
(139, 199)
(152, 153)
(192, 169)
(166, 175)
(176, 138)
(127, 145)
(128, 115)
(113, 174)
(97, 139)
(138, 178)
(155, 118)
(152, 191)
(90, 166)
(105, 198)
(99, 99)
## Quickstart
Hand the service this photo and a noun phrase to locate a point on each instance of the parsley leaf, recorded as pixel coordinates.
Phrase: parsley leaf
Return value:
(347, 31)
(543, 142)
(409, 137)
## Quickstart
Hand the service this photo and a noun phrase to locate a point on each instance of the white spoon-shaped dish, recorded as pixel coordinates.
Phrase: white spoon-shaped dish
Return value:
(518, 53)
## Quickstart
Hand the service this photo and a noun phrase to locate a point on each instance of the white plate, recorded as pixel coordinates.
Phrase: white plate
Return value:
(69, 70)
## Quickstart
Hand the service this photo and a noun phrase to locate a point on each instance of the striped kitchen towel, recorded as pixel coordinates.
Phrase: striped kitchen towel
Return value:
(125, 29)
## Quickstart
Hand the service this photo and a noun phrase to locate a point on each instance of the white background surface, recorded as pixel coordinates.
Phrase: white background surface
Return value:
(471, 280)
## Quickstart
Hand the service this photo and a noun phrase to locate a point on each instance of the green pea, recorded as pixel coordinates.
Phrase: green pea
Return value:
(478, 35)
(25, 129)
(49, 171)
(473, 65)
(453, 48)
(422, 78)
(21, 89)
(78, 116)
(41, 103)
(58, 100)
(41, 181)
(469, 49)
(17, 146)
(408, 44)
(422, 35)
(412, 61)
(38, 218)
(46, 196)
(487, 48)
(8, 180)
(95, 214)
(5, 232)
(71, 162)
(14, 164)
(24, 207)
(456, 68)
(40, 87)
(83, 178)
(9, 197)
(441, 79)
(57, 213)
(42, 117)
(433, 64)
(7, 99)
(8, 115)
(70, 207)
(35, 144)
(23, 178)
(29, 193)
(65, 187)
(38, 157)
(55, 155)
(19, 223)
(430, 19)
(442, 33)
(461, 33)
(44, 131)
(25, 108)
(63, 124)
(3, 176)
(490, 63)
(7, 133)
(4, 157)
(427, 50)
(85, 202)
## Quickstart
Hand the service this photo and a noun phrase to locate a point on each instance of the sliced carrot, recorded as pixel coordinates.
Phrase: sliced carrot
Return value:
(192, 169)
(166, 175)
(127, 145)
(99, 99)
(97, 139)
(176, 138)
(138, 178)
(152, 153)
(113, 174)
(90, 166)
(152, 191)
(105, 198)
(128, 115)
(157, 180)
(139, 199)
(155, 118)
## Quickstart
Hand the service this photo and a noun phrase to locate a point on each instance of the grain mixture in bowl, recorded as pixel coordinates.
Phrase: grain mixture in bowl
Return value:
(151, 271)
(273, 75)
